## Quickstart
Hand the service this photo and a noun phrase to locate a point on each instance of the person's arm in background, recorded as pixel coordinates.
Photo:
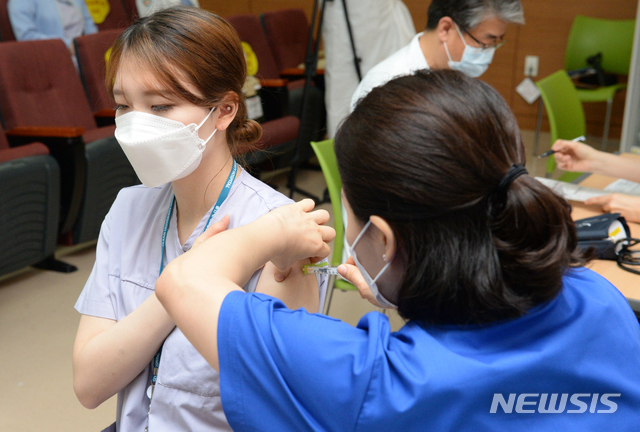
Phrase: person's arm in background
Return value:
(627, 205)
(575, 156)
(194, 285)
(22, 14)
(90, 26)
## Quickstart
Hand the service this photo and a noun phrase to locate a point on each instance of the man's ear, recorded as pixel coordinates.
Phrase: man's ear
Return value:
(388, 238)
(444, 29)
(228, 110)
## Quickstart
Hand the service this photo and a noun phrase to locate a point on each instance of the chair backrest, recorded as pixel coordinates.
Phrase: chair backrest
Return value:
(288, 33)
(250, 31)
(118, 18)
(39, 86)
(564, 109)
(329, 165)
(90, 50)
(590, 36)
(131, 9)
(6, 32)
(4, 143)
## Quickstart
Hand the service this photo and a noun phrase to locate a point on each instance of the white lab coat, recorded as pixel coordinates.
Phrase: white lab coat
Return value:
(380, 28)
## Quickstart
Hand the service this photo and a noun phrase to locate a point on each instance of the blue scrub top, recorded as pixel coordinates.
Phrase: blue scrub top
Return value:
(578, 354)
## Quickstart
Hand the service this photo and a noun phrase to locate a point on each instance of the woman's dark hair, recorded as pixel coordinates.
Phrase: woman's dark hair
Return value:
(190, 44)
(426, 153)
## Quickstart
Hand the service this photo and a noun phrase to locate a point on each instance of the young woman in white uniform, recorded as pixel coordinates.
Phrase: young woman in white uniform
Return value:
(177, 78)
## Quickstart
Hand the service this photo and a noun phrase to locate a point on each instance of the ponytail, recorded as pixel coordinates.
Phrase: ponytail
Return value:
(479, 240)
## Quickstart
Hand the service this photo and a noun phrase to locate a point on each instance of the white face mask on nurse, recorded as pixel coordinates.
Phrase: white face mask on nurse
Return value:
(161, 136)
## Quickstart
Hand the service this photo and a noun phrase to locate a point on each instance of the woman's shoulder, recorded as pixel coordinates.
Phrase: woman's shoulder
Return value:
(258, 195)
(588, 284)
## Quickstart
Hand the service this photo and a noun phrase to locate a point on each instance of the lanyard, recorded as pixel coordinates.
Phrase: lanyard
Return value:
(223, 195)
(221, 198)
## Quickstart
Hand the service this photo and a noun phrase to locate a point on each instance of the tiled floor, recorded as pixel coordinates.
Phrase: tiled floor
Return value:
(38, 324)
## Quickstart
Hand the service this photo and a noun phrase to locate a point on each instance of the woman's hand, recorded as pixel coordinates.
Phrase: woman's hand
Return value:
(351, 273)
(627, 205)
(575, 156)
(300, 234)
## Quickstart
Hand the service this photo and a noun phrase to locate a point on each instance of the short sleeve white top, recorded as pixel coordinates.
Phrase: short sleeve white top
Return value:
(187, 392)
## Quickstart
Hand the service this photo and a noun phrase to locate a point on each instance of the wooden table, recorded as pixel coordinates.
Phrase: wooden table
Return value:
(628, 283)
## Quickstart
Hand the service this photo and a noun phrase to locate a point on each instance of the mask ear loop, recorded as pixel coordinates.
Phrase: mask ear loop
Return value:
(205, 119)
(364, 229)
(446, 48)
(460, 34)
(355, 242)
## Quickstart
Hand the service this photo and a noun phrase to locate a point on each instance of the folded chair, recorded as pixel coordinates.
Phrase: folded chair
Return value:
(30, 196)
(90, 51)
(118, 17)
(280, 129)
(287, 31)
(6, 32)
(131, 9)
(313, 124)
(42, 99)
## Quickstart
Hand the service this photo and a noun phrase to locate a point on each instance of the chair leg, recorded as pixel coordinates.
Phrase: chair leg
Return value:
(538, 128)
(607, 120)
(50, 263)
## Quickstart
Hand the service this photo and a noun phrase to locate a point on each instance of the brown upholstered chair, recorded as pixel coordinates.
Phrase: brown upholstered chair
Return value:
(6, 32)
(90, 51)
(280, 130)
(276, 91)
(118, 17)
(278, 99)
(30, 196)
(131, 9)
(287, 33)
(42, 99)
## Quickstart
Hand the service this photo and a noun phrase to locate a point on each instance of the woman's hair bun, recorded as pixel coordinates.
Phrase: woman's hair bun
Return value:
(248, 132)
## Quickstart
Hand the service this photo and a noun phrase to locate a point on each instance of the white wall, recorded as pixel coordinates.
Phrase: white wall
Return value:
(631, 121)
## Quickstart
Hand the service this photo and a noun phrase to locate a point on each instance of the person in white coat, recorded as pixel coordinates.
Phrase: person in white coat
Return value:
(380, 28)
(461, 34)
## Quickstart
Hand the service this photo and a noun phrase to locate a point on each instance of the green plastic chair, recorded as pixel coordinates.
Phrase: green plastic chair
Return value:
(329, 165)
(565, 112)
(612, 38)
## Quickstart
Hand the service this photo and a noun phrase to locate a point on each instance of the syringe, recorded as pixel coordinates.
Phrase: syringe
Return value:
(320, 268)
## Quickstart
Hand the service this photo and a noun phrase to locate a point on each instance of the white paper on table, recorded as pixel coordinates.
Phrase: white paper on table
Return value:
(624, 186)
(572, 191)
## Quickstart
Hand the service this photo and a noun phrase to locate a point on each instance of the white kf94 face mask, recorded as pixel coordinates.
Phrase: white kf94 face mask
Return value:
(159, 149)
(365, 274)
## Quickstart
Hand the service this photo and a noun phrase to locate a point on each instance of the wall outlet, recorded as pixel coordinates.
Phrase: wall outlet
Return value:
(531, 66)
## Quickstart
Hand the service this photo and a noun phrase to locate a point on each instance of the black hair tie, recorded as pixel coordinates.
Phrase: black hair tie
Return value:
(514, 172)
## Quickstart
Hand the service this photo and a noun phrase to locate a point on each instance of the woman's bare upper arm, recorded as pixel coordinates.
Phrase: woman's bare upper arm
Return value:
(89, 327)
(296, 291)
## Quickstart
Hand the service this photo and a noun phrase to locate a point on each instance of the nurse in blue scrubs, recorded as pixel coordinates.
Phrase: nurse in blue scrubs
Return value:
(505, 328)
